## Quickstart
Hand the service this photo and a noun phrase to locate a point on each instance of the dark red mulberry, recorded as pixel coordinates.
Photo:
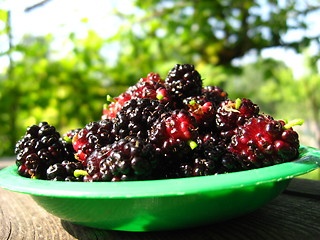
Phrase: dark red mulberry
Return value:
(124, 160)
(39, 148)
(184, 81)
(137, 117)
(263, 141)
(65, 171)
(94, 135)
(232, 114)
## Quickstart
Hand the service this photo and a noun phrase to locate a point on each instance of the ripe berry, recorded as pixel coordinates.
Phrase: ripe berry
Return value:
(39, 148)
(172, 128)
(66, 140)
(124, 160)
(203, 111)
(184, 81)
(232, 114)
(114, 105)
(151, 87)
(209, 158)
(137, 117)
(263, 141)
(214, 94)
(152, 77)
(94, 135)
(64, 171)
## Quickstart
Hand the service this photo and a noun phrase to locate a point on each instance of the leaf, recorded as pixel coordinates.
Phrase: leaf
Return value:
(84, 20)
(4, 15)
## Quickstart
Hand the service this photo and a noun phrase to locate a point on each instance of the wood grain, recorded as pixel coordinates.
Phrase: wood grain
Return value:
(292, 215)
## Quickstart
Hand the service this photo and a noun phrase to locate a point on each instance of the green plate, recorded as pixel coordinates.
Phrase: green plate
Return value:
(162, 204)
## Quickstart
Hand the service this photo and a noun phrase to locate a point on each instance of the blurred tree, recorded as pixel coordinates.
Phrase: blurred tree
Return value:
(298, 98)
(308, 87)
(67, 92)
(212, 32)
(36, 5)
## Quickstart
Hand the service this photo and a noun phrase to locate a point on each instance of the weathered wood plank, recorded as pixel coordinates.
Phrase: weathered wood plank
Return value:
(304, 187)
(24, 219)
(289, 216)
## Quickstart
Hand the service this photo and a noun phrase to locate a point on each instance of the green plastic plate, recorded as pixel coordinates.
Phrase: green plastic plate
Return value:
(162, 204)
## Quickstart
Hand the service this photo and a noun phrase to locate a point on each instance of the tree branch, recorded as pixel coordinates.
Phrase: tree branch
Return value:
(39, 4)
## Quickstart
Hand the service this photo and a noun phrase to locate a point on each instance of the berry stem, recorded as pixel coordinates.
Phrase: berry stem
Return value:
(78, 172)
(292, 123)
(159, 96)
(192, 102)
(67, 139)
(237, 103)
(192, 144)
(105, 106)
(110, 99)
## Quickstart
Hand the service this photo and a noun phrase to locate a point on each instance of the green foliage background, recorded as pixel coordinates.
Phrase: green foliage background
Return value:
(68, 91)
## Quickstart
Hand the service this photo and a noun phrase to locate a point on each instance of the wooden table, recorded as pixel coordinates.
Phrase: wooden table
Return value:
(295, 214)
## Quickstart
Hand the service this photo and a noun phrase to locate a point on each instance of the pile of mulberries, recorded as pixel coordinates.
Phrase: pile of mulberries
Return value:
(158, 129)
